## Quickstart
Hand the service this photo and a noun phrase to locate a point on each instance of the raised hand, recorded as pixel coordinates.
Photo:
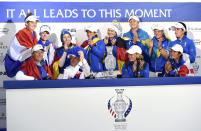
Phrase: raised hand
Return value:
(141, 64)
(81, 54)
(106, 40)
(114, 42)
(134, 66)
(168, 67)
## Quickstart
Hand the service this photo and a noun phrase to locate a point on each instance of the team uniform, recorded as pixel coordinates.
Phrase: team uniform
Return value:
(95, 54)
(179, 69)
(188, 46)
(157, 61)
(189, 50)
(128, 73)
(143, 43)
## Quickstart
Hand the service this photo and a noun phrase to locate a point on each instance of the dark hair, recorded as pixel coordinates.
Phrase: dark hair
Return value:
(28, 14)
(181, 57)
(185, 33)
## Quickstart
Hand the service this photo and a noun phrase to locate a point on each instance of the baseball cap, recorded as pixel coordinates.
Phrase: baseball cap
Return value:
(44, 28)
(91, 28)
(134, 49)
(135, 17)
(37, 47)
(32, 18)
(74, 51)
(157, 27)
(178, 48)
(179, 25)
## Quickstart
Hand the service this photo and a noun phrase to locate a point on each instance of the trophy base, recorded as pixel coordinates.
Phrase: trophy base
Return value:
(120, 126)
(111, 74)
(120, 120)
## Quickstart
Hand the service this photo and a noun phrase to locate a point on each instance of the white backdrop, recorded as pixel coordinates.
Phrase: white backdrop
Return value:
(155, 108)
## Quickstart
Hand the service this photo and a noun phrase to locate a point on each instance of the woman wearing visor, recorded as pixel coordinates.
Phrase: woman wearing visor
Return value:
(20, 48)
(189, 50)
(49, 48)
(158, 51)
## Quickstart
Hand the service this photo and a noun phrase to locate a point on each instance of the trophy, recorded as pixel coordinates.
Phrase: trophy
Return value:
(110, 62)
(120, 106)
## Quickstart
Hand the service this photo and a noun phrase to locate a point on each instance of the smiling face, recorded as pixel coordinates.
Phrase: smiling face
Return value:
(38, 55)
(44, 35)
(74, 60)
(90, 34)
(66, 39)
(175, 55)
(31, 25)
(133, 24)
(179, 32)
(111, 33)
(158, 33)
(133, 57)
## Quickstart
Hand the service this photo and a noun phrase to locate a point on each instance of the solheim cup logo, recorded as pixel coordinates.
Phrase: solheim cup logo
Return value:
(119, 107)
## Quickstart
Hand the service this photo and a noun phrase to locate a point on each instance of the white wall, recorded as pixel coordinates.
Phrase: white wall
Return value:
(155, 108)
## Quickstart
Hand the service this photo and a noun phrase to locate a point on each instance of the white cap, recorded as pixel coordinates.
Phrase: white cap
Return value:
(113, 27)
(178, 48)
(134, 49)
(135, 17)
(157, 27)
(179, 25)
(32, 18)
(44, 28)
(37, 47)
(91, 28)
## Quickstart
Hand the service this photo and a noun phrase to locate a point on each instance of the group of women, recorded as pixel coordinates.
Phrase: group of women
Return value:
(136, 54)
